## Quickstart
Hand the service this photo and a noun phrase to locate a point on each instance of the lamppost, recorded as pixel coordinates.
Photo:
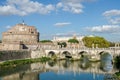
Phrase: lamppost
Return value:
(96, 45)
(93, 46)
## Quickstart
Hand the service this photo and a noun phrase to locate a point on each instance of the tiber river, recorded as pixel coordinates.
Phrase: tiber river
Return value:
(63, 70)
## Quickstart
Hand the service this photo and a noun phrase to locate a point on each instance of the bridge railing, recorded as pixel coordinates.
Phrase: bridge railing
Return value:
(84, 48)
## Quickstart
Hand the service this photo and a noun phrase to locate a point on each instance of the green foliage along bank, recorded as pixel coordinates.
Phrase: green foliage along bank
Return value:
(23, 61)
(45, 41)
(117, 65)
(73, 41)
(96, 41)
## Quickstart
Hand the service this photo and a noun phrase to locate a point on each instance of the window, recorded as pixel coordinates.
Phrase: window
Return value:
(32, 32)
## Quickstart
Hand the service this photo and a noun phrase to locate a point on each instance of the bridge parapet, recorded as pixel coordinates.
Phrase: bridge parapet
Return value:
(75, 52)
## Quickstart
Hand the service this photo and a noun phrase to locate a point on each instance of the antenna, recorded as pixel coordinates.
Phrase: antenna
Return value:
(23, 22)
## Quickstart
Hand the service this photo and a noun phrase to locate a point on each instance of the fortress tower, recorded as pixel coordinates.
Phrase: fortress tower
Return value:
(20, 36)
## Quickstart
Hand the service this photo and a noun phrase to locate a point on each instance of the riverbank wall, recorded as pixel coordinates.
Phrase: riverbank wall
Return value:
(14, 54)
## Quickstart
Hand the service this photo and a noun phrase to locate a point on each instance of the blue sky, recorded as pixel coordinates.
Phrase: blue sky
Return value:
(51, 17)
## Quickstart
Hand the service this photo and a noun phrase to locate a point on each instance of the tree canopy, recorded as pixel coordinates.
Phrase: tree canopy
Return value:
(62, 44)
(100, 41)
(112, 44)
(0, 41)
(45, 41)
(117, 63)
(73, 41)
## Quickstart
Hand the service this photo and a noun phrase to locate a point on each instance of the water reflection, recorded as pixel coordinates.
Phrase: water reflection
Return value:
(51, 63)
(84, 63)
(66, 63)
(61, 70)
(106, 62)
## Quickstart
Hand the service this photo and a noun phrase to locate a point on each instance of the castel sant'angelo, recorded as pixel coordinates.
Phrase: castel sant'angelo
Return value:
(20, 36)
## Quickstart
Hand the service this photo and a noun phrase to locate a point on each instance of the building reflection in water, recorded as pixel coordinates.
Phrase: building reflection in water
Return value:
(32, 71)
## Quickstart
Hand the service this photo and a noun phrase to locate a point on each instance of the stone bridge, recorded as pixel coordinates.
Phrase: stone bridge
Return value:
(77, 53)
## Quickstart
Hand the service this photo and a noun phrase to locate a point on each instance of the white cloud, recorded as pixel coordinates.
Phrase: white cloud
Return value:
(105, 29)
(113, 16)
(73, 6)
(24, 7)
(111, 13)
(115, 20)
(59, 5)
(62, 24)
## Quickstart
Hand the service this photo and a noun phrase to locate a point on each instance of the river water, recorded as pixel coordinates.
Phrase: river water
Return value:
(62, 70)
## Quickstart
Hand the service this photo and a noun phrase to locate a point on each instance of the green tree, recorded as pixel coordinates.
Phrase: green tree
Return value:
(0, 41)
(45, 41)
(100, 41)
(117, 63)
(112, 44)
(73, 41)
(62, 44)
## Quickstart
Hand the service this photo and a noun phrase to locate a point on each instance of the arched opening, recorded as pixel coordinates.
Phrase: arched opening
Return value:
(82, 53)
(106, 63)
(105, 55)
(51, 54)
(67, 54)
(101, 52)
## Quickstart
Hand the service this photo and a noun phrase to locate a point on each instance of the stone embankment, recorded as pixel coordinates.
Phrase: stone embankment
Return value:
(13, 55)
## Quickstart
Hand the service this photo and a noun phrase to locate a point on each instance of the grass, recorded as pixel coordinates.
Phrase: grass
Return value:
(117, 75)
(14, 63)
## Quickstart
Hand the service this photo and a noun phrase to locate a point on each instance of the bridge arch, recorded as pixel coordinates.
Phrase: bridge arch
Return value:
(82, 53)
(66, 54)
(104, 52)
(51, 54)
(105, 55)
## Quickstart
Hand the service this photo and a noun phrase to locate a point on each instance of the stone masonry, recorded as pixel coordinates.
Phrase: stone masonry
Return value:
(20, 36)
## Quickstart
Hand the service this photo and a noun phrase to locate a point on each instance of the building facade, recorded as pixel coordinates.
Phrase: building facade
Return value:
(57, 39)
(20, 36)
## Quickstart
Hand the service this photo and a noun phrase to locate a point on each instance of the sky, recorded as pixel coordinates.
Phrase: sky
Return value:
(64, 17)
